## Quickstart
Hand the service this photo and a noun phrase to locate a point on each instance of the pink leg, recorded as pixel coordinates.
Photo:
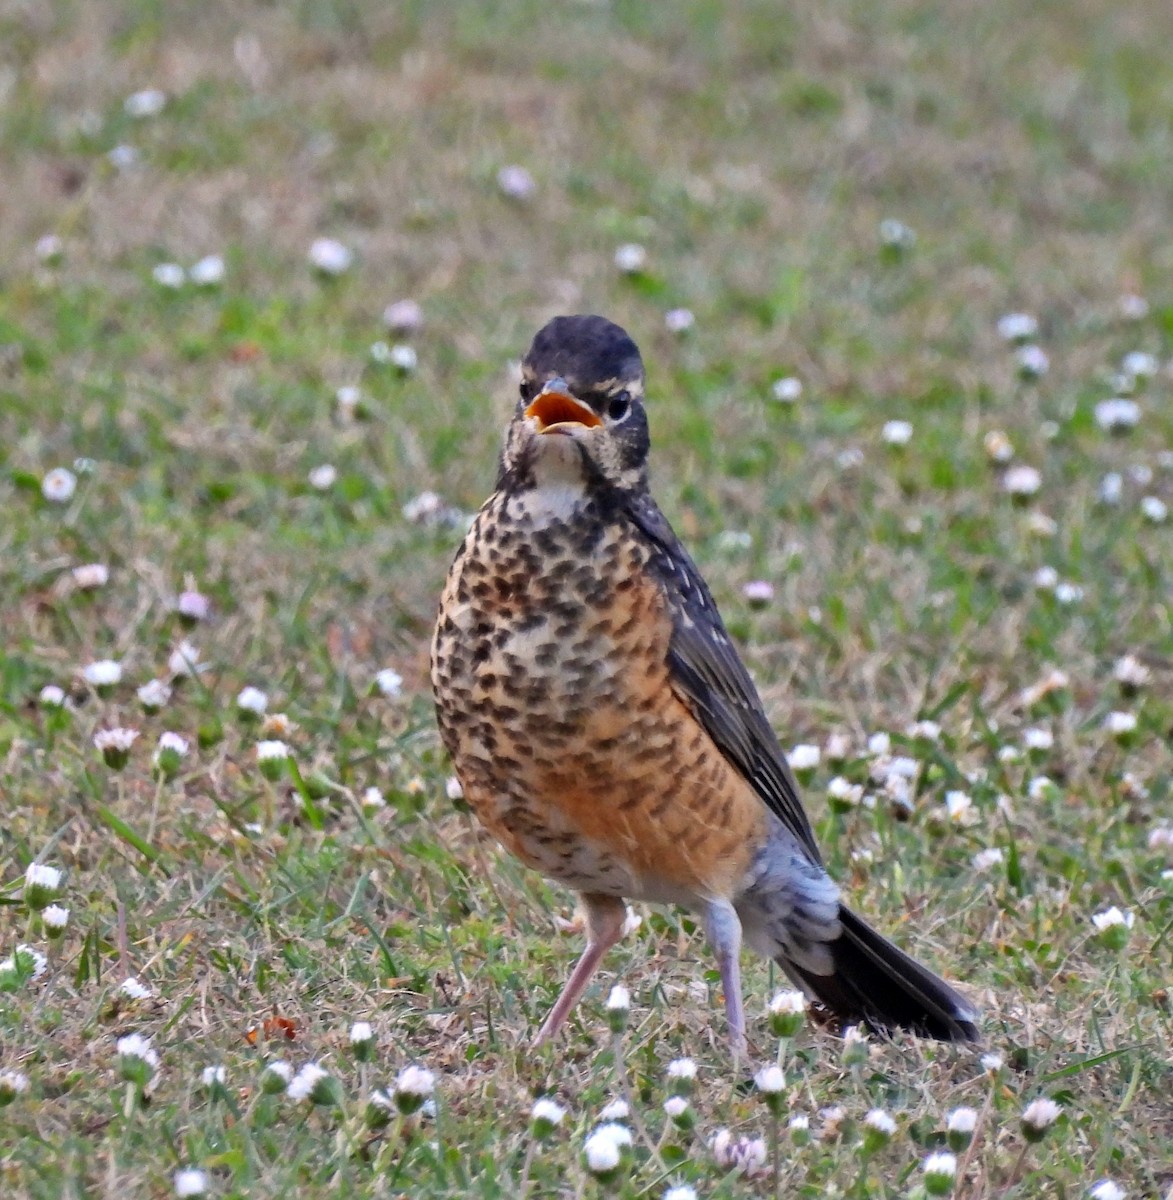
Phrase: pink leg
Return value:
(604, 916)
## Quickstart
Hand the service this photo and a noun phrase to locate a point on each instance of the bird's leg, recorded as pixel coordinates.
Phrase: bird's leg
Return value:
(723, 928)
(605, 916)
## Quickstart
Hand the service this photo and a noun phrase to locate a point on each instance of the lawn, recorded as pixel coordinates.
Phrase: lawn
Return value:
(227, 464)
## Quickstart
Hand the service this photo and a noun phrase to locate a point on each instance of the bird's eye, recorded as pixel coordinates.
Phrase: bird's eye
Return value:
(527, 389)
(619, 406)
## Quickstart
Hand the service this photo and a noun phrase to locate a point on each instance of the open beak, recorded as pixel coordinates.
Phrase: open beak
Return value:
(557, 411)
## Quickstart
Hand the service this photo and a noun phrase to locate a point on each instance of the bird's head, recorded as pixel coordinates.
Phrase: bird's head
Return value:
(581, 405)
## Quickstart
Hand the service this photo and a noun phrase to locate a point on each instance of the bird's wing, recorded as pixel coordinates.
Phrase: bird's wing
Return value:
(712, 680)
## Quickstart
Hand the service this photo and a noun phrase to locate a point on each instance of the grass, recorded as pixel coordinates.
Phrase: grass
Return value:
(754, 155)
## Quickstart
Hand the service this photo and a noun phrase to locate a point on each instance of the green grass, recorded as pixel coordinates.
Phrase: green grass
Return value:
(754, 155)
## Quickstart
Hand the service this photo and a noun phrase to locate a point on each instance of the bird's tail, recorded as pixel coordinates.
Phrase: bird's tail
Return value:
(875, 983)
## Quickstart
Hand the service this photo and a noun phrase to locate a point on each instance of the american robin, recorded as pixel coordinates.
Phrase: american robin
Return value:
(603, 727)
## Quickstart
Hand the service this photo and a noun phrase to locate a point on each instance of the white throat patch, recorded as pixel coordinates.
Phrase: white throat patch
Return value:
(559, 484)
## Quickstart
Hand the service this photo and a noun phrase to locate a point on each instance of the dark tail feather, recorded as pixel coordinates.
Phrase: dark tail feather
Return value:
(877, 984)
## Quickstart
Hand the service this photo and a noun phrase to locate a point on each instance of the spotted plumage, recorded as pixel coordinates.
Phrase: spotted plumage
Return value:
(602, 724)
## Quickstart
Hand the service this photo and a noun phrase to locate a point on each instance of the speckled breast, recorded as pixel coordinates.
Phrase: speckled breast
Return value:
(549, 665)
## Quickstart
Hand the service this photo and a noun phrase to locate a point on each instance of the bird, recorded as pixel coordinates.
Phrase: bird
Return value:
(603, 727)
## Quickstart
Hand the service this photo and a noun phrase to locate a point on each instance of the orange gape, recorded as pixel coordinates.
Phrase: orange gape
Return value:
(603, 726)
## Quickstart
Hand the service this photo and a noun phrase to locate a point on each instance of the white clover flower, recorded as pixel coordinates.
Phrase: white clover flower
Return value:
(1160, 838)
(940, 1170)
(602, 1152)
(41, 878)
(880, 1121)
(1038, 739)
(1033, 362)
(1041, 525)
(134, 1049)
(349, 400)
(1120, 724)
(631, 258)
(1041, 787)
(928, 731)
(185, 660)
(330, 256)
(619, 1000)
(897, 433)
(403, 358)
(804, 758)
(1117, 414)
(154, 695)
(169, 275)
(360, 1032)
(758, 591)
(879, 744)
(962, 1120)
(837, 748)
(895, 235)
(123, 157)
(1046, 579)
(616, 1110)
(173, 743)
(844, 793)
(959, 807)
(90, 576)
(855, 1046)
(208, 272)
(1021, 481)
(114, 745)
(631, 922)
(1140, 364)
(1017, 327)
(276, 1076)
(414, 1083)
(190, 1181)
(24, 963)
(998, 446)
(51, 696)
(252, 700)
(59, 485)
(192, 605)
(210, 1076)
(1068, 593)
(991, 1063)
(516, 183)
(55, 918)
(1154, 509)
(675, 1107)
(373, 799)
(799, 1128)
(1112, 918)
(787, 390)
(681, 1192)
(770, 1080)
(1038, 1117)
(1106, 1190)
(12, 1084)
(271, 750)
(390, 683)
(1130, 672)
(150, 102)
(547, 1113)
(404, 316)
(832, 1118)
(305, 1082)
(49, 248)
(985, 860)
(745, 1155)
(323, 478)
(679, 320)
(682, 1069)
(1111, 488)
(425, 509)
(133, 989)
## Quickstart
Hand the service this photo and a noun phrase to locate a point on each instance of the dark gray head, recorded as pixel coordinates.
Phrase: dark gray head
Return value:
(583, 378)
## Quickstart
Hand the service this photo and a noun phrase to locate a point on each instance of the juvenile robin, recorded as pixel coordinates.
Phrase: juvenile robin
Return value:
(603, 727)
